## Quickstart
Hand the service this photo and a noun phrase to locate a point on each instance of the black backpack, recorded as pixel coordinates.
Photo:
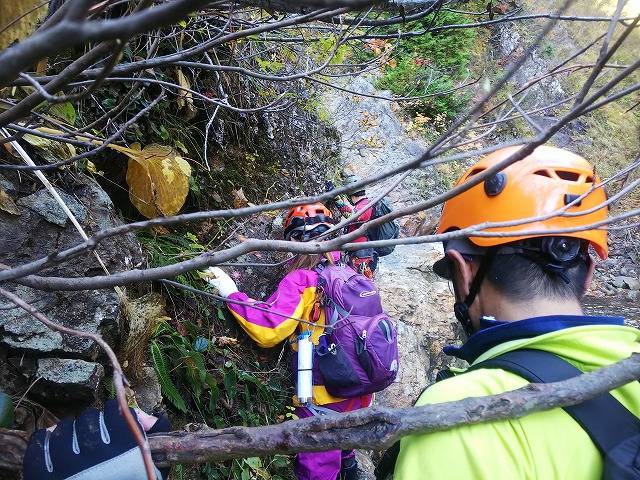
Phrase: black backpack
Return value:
(386, 231)
(614, 430)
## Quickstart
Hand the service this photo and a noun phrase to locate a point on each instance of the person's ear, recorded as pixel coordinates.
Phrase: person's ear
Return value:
(591, 266)
(462, 273)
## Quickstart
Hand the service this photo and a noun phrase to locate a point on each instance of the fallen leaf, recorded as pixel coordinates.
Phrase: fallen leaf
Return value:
(158, 179)
(41, 66)
(7, 204)
(239, 199)
(205, 275)
(225, 341)
(185, 98)
(160, 230)
(10, 150)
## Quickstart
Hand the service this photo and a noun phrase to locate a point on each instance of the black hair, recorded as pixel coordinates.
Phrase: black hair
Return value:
(359, 193)
(521, 279)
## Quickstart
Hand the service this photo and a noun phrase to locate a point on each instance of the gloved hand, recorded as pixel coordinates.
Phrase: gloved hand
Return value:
(94, 445)
(221, 281)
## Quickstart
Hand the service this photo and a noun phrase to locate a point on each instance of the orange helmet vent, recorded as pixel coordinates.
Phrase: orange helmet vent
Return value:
(541, 183)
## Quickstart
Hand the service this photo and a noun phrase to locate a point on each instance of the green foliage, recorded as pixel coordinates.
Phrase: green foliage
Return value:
(216, 387)
(169, 390)
(206, 375)
(325, 46)
(431, 63)
(548, 50)
(64, 111)
(271, 66)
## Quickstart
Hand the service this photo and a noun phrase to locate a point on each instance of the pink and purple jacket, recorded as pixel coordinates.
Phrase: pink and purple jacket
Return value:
(294, 298)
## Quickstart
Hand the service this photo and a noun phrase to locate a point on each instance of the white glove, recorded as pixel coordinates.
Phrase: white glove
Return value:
(222, 282)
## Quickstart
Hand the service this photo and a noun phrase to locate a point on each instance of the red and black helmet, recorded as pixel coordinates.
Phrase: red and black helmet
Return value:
(305, 222)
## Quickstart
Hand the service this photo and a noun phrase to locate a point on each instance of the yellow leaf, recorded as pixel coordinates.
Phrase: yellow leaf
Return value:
(7, 204)
(33, 11)
(136, 146)
(166, 169)
(185, 98)
(91, 168)
(158, 179)
(184, 166)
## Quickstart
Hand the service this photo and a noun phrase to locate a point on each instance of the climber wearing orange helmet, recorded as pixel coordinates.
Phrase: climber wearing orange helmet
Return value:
(518, 299)
(278, 320)
(305, 222)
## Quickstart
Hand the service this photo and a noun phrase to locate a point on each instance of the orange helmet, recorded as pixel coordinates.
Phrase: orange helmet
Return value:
(307, 221)
(541, 183)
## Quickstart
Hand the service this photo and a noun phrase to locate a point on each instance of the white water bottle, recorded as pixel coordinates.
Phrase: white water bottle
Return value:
(304, 388)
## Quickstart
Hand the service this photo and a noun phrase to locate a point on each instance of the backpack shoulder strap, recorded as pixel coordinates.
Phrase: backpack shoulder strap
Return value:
(605, 419)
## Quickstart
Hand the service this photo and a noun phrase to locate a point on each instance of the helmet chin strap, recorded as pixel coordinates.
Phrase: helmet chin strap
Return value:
(461, 309)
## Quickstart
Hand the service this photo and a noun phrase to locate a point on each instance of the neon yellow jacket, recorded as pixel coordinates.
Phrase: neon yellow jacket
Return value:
(545, 445)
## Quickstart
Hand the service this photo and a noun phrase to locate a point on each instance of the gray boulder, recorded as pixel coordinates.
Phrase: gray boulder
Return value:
(40, 229)
(65, 379)
(42, 204)
(626, 282)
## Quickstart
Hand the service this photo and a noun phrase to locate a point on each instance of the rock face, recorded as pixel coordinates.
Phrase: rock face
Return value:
(416, 299)
(373, 139)
(40, 229)
(422, 307)
(64, 379)
(148, 393)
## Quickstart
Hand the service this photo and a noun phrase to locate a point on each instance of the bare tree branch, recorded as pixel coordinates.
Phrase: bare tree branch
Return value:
(69, 32)
(373, 428)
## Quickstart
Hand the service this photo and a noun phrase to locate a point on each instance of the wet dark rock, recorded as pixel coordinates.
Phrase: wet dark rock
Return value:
(41, 229)
(64, 379)
(43, 203)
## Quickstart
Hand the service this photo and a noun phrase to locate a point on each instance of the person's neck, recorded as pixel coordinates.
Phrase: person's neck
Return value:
(508, 311)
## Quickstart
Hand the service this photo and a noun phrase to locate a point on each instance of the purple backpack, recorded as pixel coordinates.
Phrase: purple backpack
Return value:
(358, 352)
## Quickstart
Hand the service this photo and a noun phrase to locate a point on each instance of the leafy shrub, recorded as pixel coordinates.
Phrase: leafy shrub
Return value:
(431, 63)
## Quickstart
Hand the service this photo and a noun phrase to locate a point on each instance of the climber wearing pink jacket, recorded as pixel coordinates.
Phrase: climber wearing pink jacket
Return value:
(277, 320)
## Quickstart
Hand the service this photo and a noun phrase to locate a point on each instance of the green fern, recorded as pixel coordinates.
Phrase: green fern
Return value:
(169, 390)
